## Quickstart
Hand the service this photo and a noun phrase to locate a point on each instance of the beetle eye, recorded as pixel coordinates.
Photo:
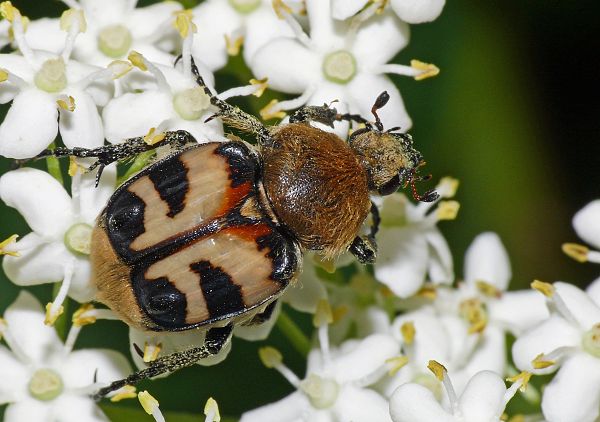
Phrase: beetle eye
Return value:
(390, 186)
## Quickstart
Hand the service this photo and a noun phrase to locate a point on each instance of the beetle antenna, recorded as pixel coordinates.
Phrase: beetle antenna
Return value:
(429, 196)
(381, 101)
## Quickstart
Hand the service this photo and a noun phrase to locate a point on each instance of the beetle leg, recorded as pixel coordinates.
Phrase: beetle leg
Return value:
(326, 115)
(232, 115)
(214, 342)
(364, 248)
(263, 316)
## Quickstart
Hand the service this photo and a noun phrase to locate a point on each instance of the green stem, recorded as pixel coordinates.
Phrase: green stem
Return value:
(53, 165)
(293, 333)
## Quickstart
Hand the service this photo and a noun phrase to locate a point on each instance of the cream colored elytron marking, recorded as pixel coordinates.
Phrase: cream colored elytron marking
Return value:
(208, 179)
(248, 267)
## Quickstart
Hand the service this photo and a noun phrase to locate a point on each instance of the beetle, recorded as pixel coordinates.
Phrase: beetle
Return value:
(211, 235)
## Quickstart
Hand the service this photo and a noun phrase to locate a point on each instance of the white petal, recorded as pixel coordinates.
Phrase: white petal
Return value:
(42, 263)
(214, 20)
(82, 289)
(142, 21)
(106, 12)
(26, 188)
(371, 321)
(574, 393)
(413, 402)
(364, 89)
(202, 132)
(289, 409)
(81, 127)
(73, 408)
(551, 334)
(81, 366)
(583, 308)
(262, 26)
(258, 332)
(343, 9)
(586, 223)
(28, 410)
(322, 31)
(45, 34)
(486, 260)
(593, 291)
(101, 90)
(25, 320)
(307, 291)
(29, 126)
(367, 357)
(368, 48)
(289, 66)
(518, 311)
(402, 260)
(132, 115)
(441, 266)
(17, 65)
(360, 405)
(483, 398)
(14, 379)
(93, 199)
(418, 11)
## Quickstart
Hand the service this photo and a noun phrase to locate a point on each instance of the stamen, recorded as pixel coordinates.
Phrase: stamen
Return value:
(73, 22)
(447, 187)
(211, 410)
(591, 341)
(520, 382)
(3, 75)
(322, 318)
(576, 251)
(12, 343)
(150, 405)
(85, 315)
(550, 292)
(447, 210)
(428, 291)
(545, 360)
(283, 11)
(151, 351)
(271, 358)
(13, 15)
(417, 69)
(473, 311)
(123, 393)
(544, 288)
(441, 373)
(256, 88)
(139, 61)
(488, 289)
(186, 27)
(3, 246)
(153, 136)
(396, 363)
(66, 103)
(408, 332)
(427, 70)
(55, 309)
(233, 44)
(274, 110)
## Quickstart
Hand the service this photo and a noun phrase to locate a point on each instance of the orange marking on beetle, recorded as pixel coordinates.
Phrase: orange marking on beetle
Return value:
(233, 196)
(250, 232)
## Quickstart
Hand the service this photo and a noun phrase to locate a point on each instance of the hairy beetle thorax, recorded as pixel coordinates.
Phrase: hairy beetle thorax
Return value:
(317, 187)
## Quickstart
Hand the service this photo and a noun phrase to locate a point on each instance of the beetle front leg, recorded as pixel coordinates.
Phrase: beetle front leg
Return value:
(214, 342)
(324, 114)
(364, 248)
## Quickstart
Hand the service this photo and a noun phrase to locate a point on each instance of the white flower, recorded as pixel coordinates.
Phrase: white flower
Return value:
(42, 379)
(49, 92)
(409, 11)
(114, 27)
(59, 245)
(337, 62)
(587, 226)
(223, 26)
(410, 246)
(569, 340)
(483, 400)
(334, 388)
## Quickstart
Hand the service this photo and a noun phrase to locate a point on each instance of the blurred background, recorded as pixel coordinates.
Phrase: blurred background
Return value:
(514, 115)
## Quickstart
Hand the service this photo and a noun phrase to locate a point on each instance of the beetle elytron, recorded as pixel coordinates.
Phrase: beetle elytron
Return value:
(211, 235)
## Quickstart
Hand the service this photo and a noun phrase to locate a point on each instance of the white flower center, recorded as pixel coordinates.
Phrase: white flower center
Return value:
(339, 66)
(591, 341)
(52, 76)
(191, 103)
(45, 385)
(78, 239)
(321, 392)
(245, 6)
(114, 41)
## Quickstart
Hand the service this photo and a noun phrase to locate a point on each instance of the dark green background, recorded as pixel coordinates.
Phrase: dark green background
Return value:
(514, 114)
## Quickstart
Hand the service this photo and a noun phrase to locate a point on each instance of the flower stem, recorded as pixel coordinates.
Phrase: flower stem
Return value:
(61, 323)
(293, 333)
(53, 165)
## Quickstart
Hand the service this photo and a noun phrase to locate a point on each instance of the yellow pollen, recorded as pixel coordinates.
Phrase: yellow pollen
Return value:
(437, 369)
(74, 166)
(516, 418)
(137, 60)
(71, 16)
(381, 6)
(428, 70)
(6, 242)
(152, 138)
(488, 289)
(262, 83)
(449, 185)
(267, 112)
(148, 402)
(473, 311)
(396, 364)
(126, 392)
(408, 332)
(151, 352)
(212, 408)
(544, 288)
(52, 317)
(184, 22)
(540, 363)
(447, 210)
(67, 103)
(83, 316)
(576, 251)
(323, 314)
(8, 11)
(428, 292)
(524, 377)
(233, 45)
(119, 68)
(339, 313)
(270, 356)
(3, 75)
(281, 9)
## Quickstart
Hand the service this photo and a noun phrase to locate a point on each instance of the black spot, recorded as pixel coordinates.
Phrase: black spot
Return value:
(222, 295)
(171, 183)
(243, 165)
(124, 218)
(163, 303)
(283, 253)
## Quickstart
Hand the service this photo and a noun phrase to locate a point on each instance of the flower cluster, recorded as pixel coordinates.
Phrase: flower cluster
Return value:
(404, 340)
